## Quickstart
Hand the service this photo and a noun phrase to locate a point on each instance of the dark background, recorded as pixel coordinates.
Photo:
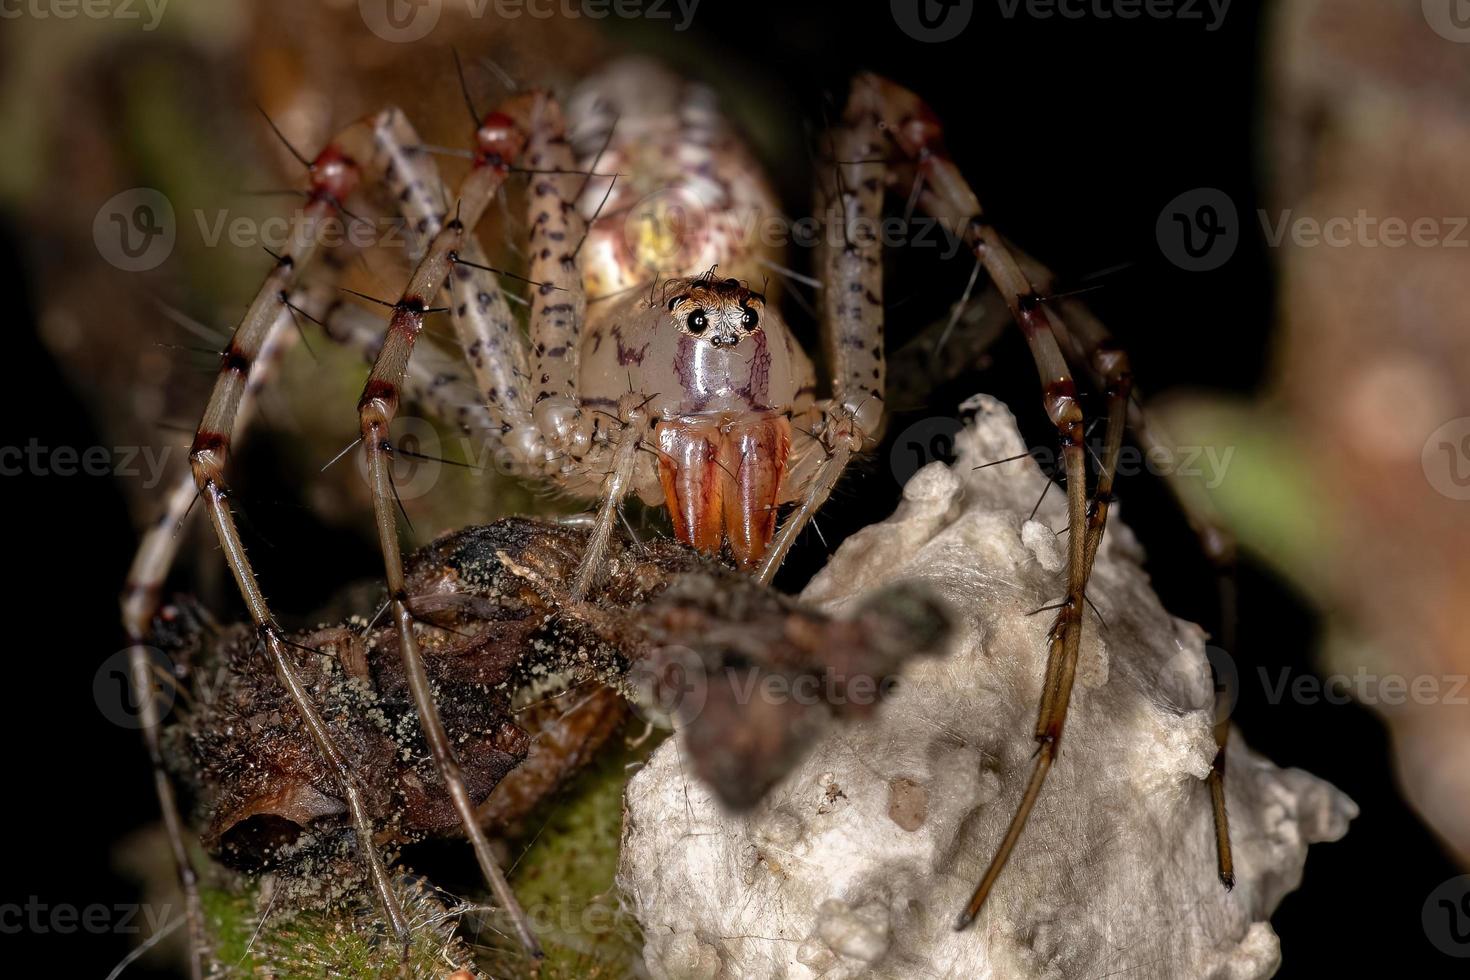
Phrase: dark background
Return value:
(1075, 134)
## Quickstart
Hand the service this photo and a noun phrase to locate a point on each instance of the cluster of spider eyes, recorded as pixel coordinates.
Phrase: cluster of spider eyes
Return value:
(698, 321)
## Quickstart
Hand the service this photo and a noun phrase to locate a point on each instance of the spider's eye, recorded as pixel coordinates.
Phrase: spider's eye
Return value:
(697, 322)
(751, 319)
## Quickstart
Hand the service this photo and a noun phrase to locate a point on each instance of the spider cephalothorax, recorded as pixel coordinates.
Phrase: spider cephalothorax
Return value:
(720, 377)
(723, 455)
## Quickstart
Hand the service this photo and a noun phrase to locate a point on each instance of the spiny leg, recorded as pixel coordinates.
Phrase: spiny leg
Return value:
(334, 175)
(500, 141)
(946, 195)
(489, 340)
(435, 383)
(488, 334)
(141, 666)
(316, 301)
(849, 192)
(139, 603)
(558, 302)
(558, 314)
(1090, 344)
(1112, 373)
(619, 479)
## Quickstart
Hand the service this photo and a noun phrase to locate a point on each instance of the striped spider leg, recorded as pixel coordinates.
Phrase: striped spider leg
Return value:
(535, 413)
(139, 602)
(1058, 329)
(207, 458)
(500, 140)
(527, 394)
(488, 408)
(1089, 345)
(849, 194)
(917, 134)
(435, 382)
(255, 349)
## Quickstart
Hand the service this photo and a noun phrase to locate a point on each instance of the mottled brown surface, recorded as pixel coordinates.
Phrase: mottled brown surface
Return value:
(486, 636)
(530, 685)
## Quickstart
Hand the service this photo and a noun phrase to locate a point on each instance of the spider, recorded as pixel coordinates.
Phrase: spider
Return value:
(676, 381)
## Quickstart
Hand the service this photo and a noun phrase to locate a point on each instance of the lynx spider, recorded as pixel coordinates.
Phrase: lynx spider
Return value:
(675, 383)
